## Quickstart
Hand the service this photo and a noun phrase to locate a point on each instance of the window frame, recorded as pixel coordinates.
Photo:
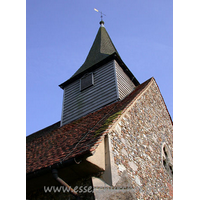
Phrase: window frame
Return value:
(85, 76)
(167, 161)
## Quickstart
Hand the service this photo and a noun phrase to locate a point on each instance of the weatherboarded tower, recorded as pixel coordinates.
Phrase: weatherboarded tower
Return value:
(100, 81)
(115, 138)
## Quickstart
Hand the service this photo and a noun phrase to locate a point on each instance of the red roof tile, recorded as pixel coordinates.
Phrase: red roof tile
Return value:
(75, 138)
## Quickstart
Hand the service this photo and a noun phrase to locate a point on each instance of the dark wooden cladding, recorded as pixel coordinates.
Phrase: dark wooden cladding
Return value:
(78, 103)
(124, 83)
(105, 85)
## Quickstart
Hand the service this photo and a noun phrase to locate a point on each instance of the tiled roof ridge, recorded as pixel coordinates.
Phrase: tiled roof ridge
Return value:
(46, 134)
(43, 131)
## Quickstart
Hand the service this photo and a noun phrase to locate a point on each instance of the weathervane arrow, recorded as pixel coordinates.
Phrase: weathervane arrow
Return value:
(101, 13)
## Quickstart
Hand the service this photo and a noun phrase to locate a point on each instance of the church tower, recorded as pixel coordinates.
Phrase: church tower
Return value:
(101, 80)
(115, 138)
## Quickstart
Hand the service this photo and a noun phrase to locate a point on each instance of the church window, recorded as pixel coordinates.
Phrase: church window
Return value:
(86, 81)
(167, 159)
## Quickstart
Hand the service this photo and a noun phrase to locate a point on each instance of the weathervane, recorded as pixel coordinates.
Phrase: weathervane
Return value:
(101, 13)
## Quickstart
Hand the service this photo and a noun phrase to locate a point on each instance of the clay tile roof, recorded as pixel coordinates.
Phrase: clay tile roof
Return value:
(75, 138)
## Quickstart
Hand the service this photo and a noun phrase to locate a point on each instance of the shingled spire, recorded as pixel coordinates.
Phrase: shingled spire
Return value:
(101, 80)
(102, 47)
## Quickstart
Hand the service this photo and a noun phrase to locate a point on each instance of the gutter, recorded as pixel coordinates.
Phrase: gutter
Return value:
(58, 165)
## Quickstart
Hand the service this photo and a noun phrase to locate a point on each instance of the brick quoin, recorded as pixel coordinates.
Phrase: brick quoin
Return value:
(170, 189)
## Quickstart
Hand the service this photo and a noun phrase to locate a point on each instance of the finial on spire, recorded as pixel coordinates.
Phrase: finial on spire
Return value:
(101, 22)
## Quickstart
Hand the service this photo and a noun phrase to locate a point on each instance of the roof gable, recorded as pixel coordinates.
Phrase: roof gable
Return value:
(77, 137)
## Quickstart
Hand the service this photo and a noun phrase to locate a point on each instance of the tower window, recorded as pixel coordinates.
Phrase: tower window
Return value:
(171, 169)
(86, 81)
(167, 160)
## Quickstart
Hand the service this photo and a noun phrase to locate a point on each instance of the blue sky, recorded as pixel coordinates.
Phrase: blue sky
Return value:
(59, 35)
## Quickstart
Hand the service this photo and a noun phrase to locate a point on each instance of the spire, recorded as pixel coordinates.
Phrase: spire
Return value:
(102, 48)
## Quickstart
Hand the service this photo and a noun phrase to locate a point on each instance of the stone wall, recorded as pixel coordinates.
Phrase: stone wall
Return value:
(137, 140)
